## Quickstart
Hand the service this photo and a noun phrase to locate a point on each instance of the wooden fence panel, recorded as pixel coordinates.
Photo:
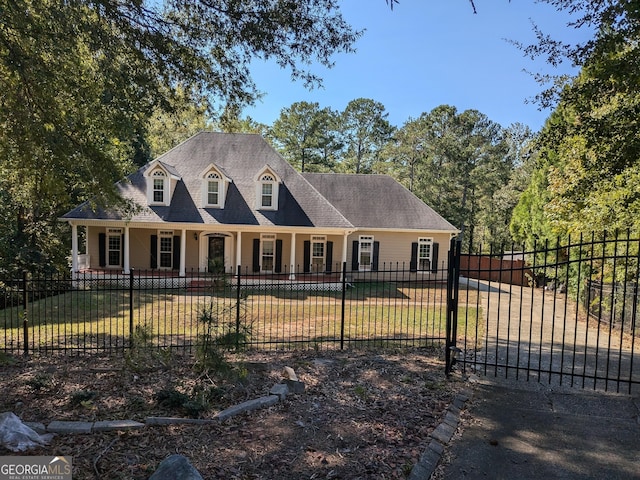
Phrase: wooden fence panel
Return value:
(484, 267)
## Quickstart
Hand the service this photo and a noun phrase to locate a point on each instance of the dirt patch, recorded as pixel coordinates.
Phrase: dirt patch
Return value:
(364, 415)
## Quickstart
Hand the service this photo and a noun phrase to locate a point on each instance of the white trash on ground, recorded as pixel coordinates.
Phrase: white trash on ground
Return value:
(17, 437)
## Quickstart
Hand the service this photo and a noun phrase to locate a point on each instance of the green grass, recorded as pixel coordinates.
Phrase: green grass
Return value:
(372, 312)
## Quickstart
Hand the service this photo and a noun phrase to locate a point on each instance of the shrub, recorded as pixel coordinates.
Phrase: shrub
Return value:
(143, 354)
(220, 335)
(173, 399)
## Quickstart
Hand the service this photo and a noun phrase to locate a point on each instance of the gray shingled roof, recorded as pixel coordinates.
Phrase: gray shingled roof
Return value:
(241, 157)
(312, 200)
(377, 201)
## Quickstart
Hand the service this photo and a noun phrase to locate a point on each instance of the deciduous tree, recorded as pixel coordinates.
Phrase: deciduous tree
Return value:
(589, 148)
(80, 78)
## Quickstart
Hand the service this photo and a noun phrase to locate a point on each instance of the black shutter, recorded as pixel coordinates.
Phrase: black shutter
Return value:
(306, 267)
(434, 258)
(278, 266)
(122, 250)
(329, 258)
(413, 264)
(354, 255)
(376, 255)
(256, 254)
(176, 252)
(154, 251)
(102, 249)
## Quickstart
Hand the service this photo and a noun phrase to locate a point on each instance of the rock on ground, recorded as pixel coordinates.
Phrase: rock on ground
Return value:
(176, 466)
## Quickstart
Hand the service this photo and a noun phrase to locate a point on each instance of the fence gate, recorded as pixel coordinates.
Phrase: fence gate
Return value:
(563, 314)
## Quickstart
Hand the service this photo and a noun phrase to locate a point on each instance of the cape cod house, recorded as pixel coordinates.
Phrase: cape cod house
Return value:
(221, 201)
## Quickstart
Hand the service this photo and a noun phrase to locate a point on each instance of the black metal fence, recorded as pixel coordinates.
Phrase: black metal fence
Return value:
(110, 311)
(613, 302)
(573, 323)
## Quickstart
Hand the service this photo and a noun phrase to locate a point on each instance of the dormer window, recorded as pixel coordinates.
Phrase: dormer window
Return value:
(266, 199)
(214, 187)
(161, 183)
(158, 186)
(267, 186)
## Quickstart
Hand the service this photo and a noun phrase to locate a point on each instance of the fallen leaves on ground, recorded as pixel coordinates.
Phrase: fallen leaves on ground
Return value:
(364, 415)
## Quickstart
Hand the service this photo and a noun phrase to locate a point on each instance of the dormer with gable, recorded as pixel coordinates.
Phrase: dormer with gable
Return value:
(267, 189)
(214, 187)
(161, 183)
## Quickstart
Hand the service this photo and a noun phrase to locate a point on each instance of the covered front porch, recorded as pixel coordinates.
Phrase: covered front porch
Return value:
(109, 249)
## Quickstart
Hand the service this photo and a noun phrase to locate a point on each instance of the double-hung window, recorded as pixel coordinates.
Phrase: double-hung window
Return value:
(114, 247)
(268, 243)
(158, 186)
(267, 189)
(213, 189)
(266, 197)
(318, 250)
(365, 249)
(166, 248)
(425, 249)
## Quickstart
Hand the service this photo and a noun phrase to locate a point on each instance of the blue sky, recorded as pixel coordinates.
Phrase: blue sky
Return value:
(427, 53)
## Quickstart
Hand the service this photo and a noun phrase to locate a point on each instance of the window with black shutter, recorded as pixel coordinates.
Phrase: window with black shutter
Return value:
(424, 256)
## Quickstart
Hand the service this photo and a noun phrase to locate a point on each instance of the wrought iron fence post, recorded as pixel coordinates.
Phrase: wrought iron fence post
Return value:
(344, 297)
(131, 336)
(238, 310)
(25, 320)
(453, 284)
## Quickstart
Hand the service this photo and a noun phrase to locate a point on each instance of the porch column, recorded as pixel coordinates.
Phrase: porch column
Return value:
(127, 249)
(344, 254)
(292, 258)
(183, 252)
(238, 251)
(74, 248)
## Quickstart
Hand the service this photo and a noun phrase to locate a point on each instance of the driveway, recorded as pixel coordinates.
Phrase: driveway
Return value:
(544, 428)
(524, 430)
(541, 335)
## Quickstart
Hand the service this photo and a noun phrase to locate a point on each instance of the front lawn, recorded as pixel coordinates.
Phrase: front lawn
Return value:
(384, 313)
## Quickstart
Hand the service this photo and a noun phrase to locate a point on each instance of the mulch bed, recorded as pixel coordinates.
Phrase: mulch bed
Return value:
(364, 415)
